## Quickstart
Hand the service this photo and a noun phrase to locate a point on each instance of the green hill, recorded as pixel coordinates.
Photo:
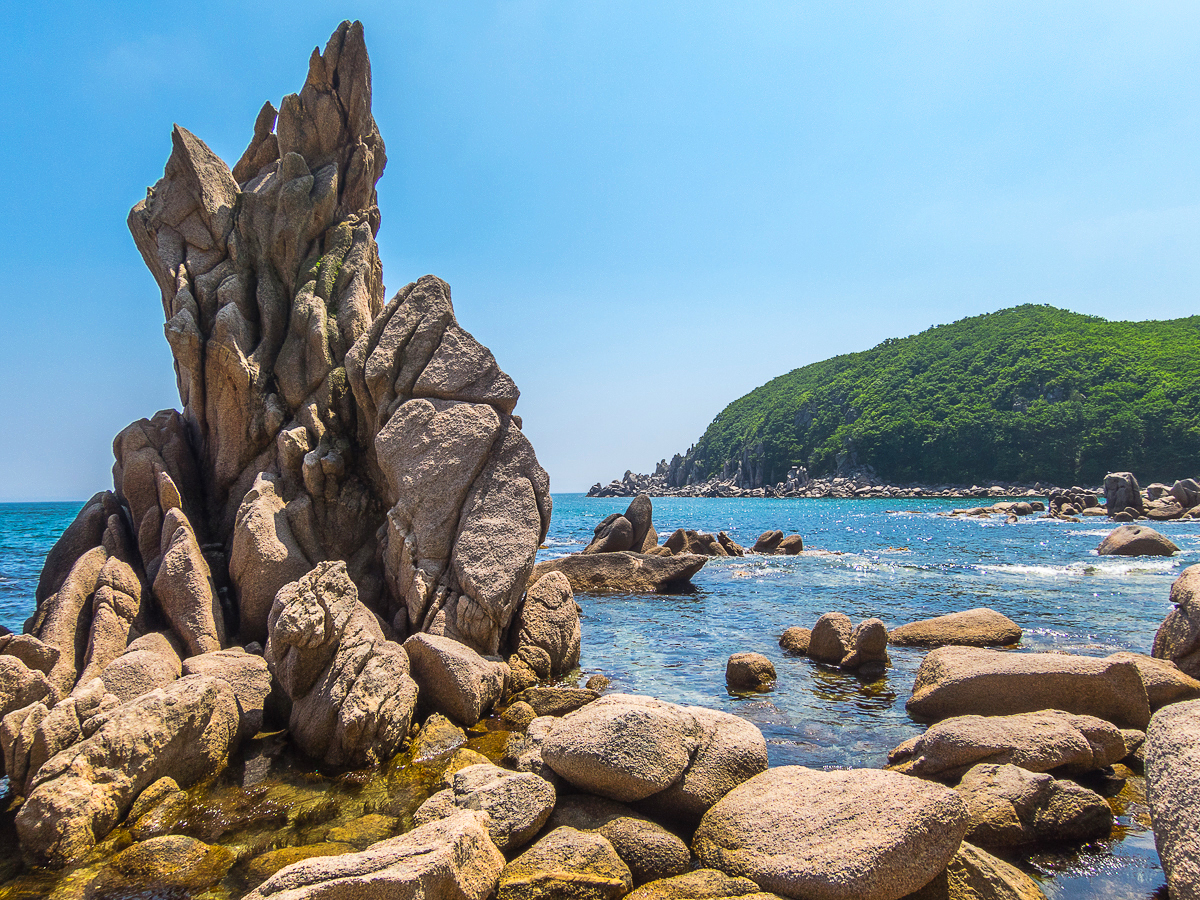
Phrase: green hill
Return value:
(1025, 394)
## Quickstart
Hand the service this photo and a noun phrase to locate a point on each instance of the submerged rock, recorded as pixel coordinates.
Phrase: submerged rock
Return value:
(858, 834)
(169, 862)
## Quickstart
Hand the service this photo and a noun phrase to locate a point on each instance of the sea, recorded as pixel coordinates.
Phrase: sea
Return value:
(896, 560)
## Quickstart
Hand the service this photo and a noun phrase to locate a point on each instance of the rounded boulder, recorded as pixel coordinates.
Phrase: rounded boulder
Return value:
(857, 834)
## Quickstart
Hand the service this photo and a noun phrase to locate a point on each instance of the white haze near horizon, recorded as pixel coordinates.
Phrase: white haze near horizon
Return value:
(644, 210)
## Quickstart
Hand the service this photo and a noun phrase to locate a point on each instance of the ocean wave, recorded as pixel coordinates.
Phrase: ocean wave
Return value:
(1107, 568)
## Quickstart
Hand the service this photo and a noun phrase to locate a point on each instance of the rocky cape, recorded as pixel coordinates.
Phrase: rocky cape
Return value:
(346, 473)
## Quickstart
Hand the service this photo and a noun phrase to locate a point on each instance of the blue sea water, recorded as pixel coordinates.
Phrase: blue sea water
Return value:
(897, 560)
(27, 532)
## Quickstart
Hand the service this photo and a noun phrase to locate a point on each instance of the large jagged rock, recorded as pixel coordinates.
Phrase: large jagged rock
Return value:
(955, 681)
(185, 730)
(352, 697)
(1178, 638)
(318, 425)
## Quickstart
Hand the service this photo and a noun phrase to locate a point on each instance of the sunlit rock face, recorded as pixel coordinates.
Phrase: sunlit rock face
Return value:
(319, 424)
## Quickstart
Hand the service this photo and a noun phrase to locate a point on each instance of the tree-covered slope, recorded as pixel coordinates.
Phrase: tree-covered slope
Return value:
(1024, 394)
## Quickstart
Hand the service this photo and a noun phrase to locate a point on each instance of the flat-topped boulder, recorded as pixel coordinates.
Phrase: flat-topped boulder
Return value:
(957, 681)
(1037, 741)
(1173, 788)
(981, 627)
(857, 834)
(630, 573)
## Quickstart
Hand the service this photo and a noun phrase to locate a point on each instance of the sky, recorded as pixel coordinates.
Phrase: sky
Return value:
(645, 210)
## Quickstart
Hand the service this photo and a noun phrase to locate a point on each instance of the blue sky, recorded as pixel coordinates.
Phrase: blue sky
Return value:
(644, 209)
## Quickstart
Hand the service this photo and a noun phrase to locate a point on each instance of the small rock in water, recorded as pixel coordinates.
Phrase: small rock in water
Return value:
(830, 640)
(794, 641)
(598, 683)
(1136, 540)
(749, 672)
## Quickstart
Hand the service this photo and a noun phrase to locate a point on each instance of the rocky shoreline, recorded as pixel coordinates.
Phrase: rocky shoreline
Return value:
(302, 650)
(859, 484)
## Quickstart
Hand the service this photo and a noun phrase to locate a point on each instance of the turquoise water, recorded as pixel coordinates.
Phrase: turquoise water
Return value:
(27, 532)
(894, 559)
(897, 560)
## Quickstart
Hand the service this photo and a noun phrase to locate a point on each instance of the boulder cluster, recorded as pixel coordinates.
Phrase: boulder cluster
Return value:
(836, 641)
(628, 796)
(336, 534)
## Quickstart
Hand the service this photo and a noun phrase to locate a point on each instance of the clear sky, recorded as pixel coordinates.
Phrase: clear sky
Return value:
(644, 209)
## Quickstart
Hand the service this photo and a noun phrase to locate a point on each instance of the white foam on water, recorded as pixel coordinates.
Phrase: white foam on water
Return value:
(1107, 569)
